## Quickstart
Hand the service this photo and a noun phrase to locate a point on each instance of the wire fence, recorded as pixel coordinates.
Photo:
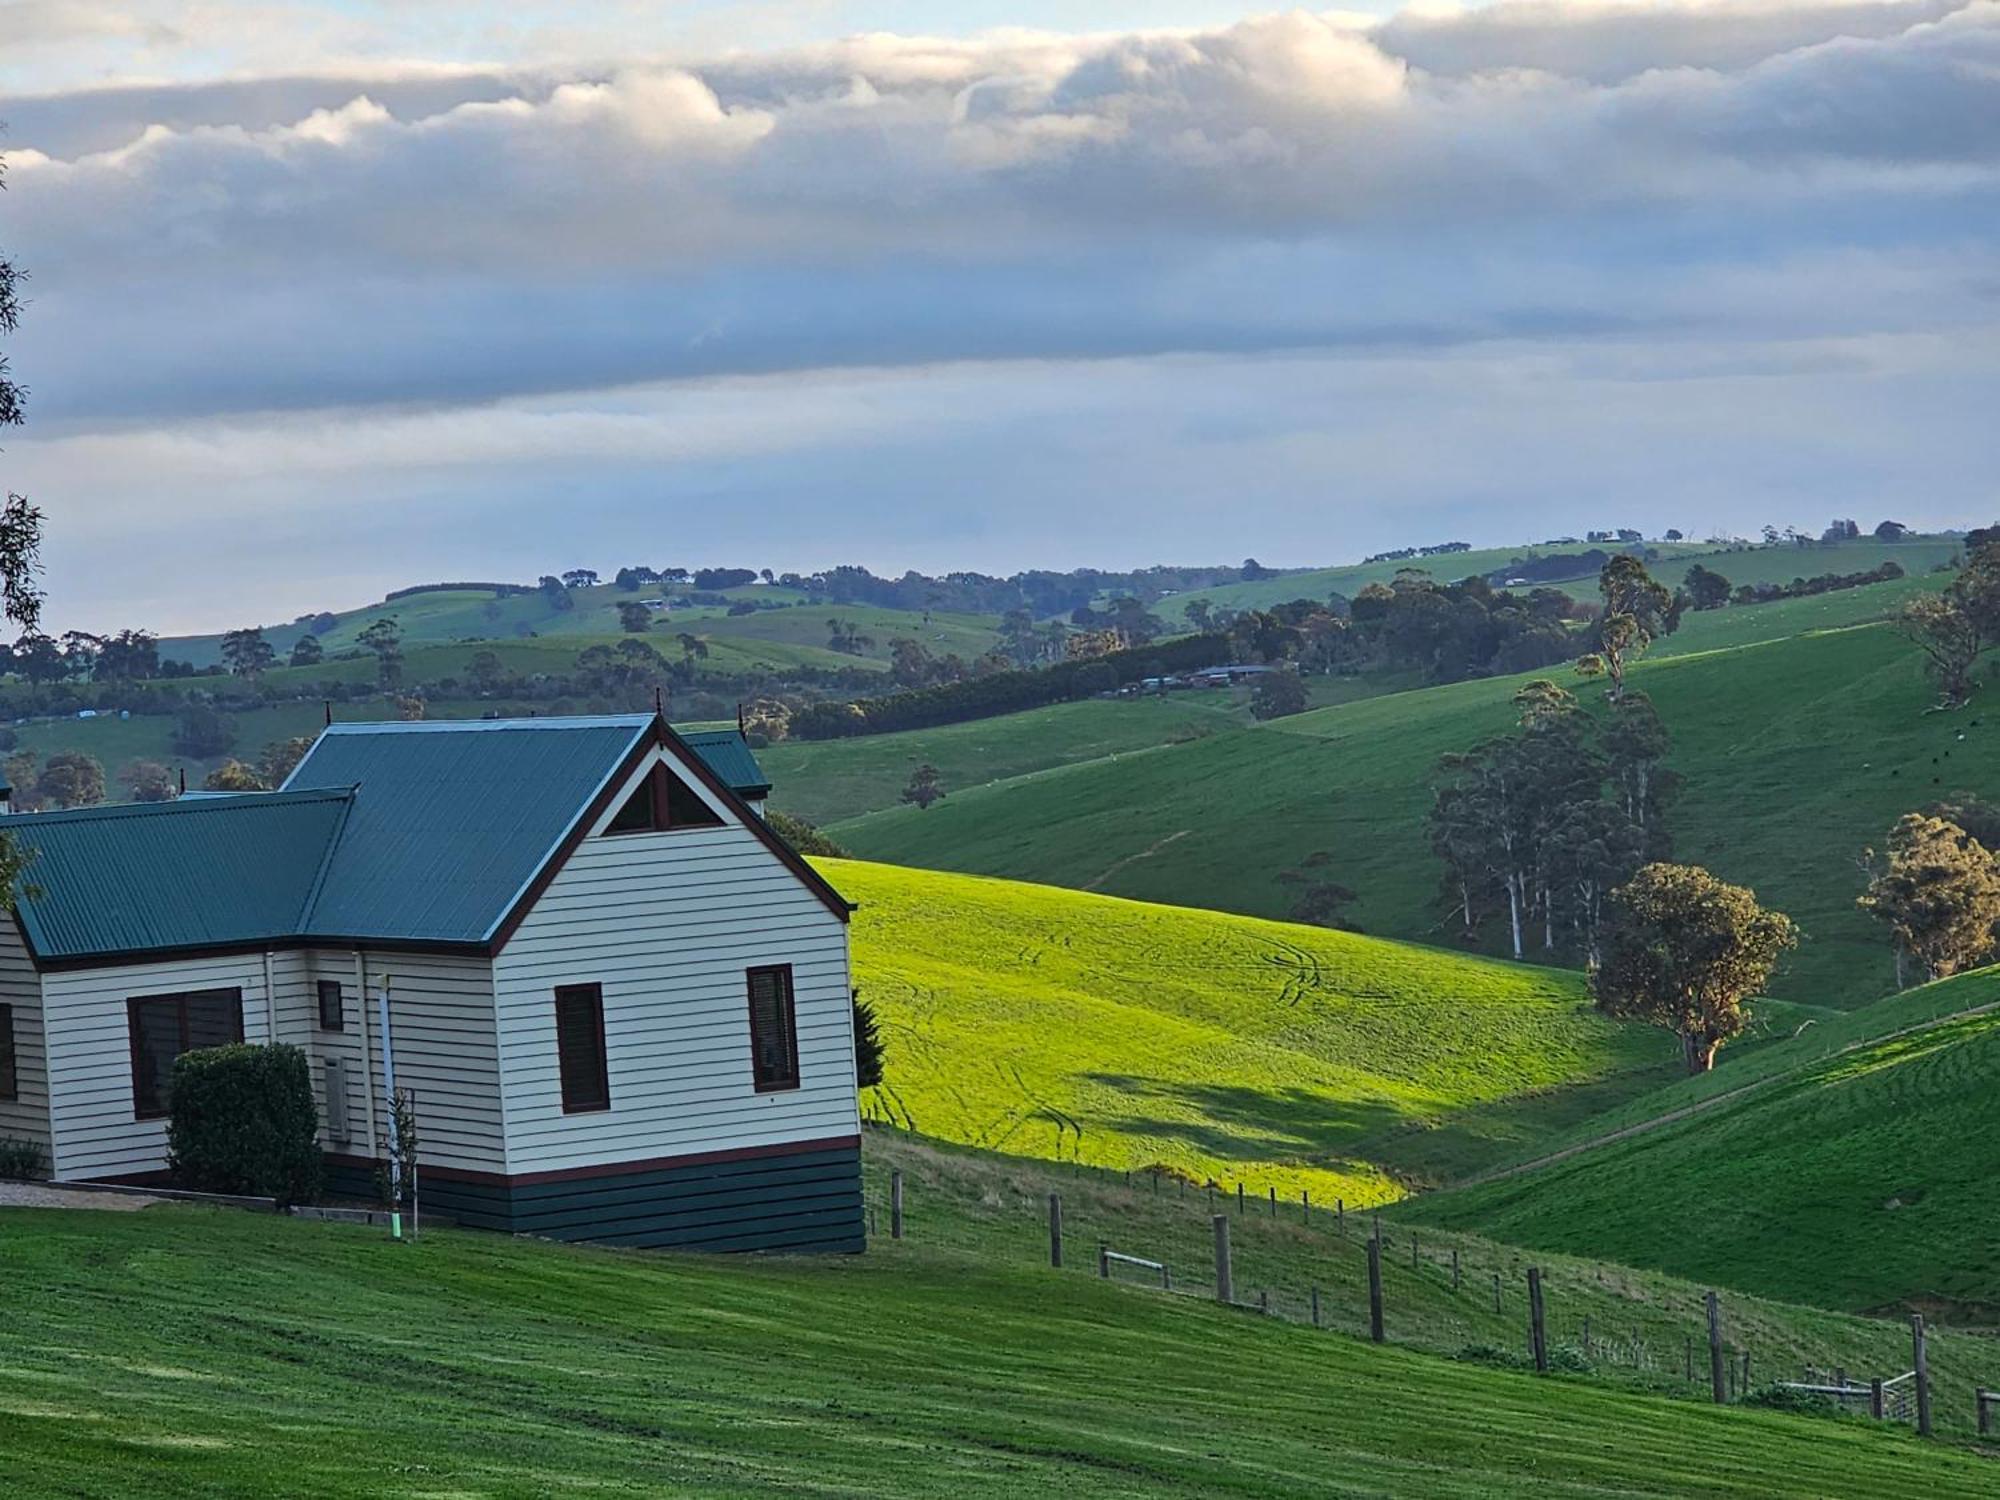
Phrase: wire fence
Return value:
(1330, 1267)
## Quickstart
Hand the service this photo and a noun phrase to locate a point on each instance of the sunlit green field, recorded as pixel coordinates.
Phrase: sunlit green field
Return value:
(1049, 1023)
(1862, 1179)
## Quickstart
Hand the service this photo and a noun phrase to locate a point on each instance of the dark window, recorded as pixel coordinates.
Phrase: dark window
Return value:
(662, 800)
(586, 1080)
(165, 1026)
(10, 1080)
(331, 1016)
(774, 1031)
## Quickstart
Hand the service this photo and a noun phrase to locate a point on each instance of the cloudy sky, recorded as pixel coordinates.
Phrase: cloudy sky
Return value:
(332, 296)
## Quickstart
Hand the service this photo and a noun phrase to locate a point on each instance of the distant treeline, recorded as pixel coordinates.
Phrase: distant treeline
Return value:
(1440, 550)
(1551, 567)
(1006, 692)
(1826, 583)
(501, 589)
(1042, 593)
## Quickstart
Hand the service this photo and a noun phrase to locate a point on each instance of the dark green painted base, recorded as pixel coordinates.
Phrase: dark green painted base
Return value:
(803, 1201)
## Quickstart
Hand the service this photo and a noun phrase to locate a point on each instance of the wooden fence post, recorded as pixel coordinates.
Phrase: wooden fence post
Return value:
(1225, 1284)
(1305, 1206)
(1538, 1340)
(1690, 1358)
(1496, 1292)
(1239, 1200)
(1984, 1400)
(1103, 1260)
(896, 1205)
(1744, 1384)
(1315, 1305)
(1923, 1365)
(1264, 1302)
(1716, 1377)
(1454, 1270)
(1375, 1284)
(1055, 1230)
(1413, 1250)
(1586, 1338)
(1274, 1201)
(1876, 1406)
(1340, 1217)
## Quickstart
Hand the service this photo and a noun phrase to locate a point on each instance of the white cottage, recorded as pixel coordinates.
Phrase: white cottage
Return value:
(620, 1001)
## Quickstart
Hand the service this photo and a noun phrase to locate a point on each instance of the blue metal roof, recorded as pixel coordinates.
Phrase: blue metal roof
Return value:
(451, 820)
(427, 832)
(165, 875)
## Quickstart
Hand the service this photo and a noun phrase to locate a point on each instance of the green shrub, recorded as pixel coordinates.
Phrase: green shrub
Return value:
(22, 1160)
(243, 1121)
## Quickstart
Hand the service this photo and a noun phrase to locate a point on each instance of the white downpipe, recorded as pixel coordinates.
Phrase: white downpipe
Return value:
(389, 1104)
(367, 1051)
(270, 1004)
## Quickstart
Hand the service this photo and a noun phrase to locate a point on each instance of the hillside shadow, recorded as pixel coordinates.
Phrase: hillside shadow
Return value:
(1233, 1121)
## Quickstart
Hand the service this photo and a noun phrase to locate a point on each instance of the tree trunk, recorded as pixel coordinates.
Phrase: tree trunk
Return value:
(1698, 1052)
(1514, 910)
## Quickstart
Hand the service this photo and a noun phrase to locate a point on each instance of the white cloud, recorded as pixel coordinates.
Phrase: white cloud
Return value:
(1696, 184)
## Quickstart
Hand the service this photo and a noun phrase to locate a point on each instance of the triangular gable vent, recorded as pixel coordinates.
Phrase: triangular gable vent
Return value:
(662, 801)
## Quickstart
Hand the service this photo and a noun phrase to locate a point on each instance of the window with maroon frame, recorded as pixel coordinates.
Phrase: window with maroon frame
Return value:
(662, 801)
(586, 1078)
(163, 1027)
(774, 1029)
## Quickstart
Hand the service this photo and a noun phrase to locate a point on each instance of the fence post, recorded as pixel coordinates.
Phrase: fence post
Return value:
(1239, 1200)
(1413, 1249)
(1454, 1270)
(1315, 1306)
(1923, 1364)
(1305, 1206)
(1496, 1292)
(1716, 1376)
(1586, 1338)
(1875, 1403)
(1538, 1342)
(1274, 1201)
(1055, 1230)
(1375, 1284)
(1103, 1260)
(1340, 1217)
(1225, 1285)
(1264, 1302)
(896, 1205)
(1690, 1357)
(1985, 1400)
(1744, 1384)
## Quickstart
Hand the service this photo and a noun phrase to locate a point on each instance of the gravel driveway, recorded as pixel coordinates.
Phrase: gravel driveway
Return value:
(34, 1195)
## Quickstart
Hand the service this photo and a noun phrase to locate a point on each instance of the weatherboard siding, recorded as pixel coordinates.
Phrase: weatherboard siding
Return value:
(26, 1116)
(442, 1029)
(84, 1020)
(668, 924)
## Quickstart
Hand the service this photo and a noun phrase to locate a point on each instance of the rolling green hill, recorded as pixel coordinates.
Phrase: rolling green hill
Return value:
(1797, 751)
(182, 1352)
(1758, 564)
(1859, 1180)
(1055, 1024)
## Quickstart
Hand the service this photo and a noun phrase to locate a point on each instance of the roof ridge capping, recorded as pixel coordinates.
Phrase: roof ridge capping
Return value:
(469, 726)
(214, 802)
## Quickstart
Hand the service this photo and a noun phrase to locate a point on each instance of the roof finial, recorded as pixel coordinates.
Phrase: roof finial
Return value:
(327, 704)
(184, 780)
(739, 715)
(659, 700)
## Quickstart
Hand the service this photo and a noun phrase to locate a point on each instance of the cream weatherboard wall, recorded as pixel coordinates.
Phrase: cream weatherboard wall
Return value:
(25, 1117)
(668, 923)
(84, 1020)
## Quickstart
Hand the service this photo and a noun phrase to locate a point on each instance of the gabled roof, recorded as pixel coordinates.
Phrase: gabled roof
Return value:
(426, 834)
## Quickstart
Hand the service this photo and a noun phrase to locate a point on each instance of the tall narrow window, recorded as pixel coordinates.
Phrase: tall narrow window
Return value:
(163, 1027)
(774, 1031)
(331, 1012)
(586, 1078)
(10, 1078)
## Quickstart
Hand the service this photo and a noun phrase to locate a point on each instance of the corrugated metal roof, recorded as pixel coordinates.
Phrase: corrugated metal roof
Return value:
(451, 820)
(727, 753)
(166, 875)
(418, 832)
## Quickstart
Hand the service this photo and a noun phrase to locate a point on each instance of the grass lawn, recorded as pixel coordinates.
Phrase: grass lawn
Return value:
(1048, 1023)
(188, 1352)
(1858, 1180)
(1797, 752)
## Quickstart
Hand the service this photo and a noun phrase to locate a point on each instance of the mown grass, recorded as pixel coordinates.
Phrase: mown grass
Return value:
(1618, 1324)
(1044, 1022)
(1858, 1180)
(1798, 752)
(184, 1352)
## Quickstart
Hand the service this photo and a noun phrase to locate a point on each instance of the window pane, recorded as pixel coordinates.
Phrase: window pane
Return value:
(685, 809)
(773, 1037)
(636, 816)
(580, 1047)
(215, 1018)
(330, 1005)
(156, 1042)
